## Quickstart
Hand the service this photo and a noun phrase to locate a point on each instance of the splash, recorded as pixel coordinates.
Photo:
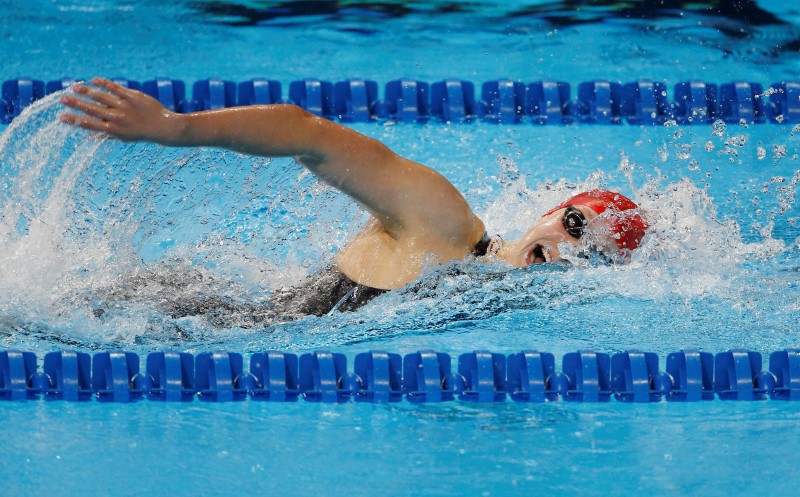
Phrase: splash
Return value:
(109, 244)
(103, 241)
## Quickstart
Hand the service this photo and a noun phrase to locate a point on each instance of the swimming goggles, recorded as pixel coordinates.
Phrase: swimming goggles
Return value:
(574, 222)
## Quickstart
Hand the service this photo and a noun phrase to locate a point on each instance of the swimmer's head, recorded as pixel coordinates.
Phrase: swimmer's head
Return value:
(604, 221)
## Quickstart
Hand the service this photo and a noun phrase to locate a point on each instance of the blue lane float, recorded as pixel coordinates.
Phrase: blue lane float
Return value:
(692, 375)
(314, 96)
(212, 94)
(170, 92)
(503, 101)
(170, 376)
(18, 94)
(548, 102)
(531, 377)
(259, 91)
(354, 100)
(427, 377)
(67, 376)
(378, 376)
(381, 375)
(276, 376)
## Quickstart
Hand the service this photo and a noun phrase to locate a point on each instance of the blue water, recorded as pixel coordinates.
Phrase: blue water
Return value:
(89, 224)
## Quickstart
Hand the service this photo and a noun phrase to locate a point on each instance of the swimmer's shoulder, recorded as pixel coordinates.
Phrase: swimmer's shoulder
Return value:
(377, 259)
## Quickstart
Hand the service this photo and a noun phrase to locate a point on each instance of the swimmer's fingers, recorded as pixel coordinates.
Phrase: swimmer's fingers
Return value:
(99, 96)
(90, 108)
(124, 113)
(88, 123)
(113, 88)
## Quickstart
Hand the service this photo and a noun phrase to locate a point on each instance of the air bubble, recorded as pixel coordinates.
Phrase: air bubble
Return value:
(761, 153)
(662, 153)
(718, 128)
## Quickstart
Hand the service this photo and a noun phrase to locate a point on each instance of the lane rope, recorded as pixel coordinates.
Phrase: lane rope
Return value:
(504, 101)
(377, 376)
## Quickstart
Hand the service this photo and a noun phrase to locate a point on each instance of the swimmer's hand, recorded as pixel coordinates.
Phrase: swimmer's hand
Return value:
(125, 114)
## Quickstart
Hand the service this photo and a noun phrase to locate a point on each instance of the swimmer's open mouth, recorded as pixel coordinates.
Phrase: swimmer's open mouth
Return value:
(538, 255)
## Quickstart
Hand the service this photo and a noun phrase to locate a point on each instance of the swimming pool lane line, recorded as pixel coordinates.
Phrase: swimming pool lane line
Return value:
(505, 101)
(424, 376)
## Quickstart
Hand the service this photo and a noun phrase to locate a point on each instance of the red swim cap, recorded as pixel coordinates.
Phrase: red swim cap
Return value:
(628, 228)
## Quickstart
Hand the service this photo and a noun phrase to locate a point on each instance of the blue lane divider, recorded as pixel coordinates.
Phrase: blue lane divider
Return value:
(170, 92)
(405, 100)
(18, 94)
(504, 101)
(645, 102)
(259, 91)
(115, 375)
(68, 375)
(784, 103)
(692, 375)
(219, 376)
(484, 376)
(354, 100)
(695, 102)
(313, 95)
(532, 377)
(170, 376)
(548, 102)
(599, 102)
(453, 100)
(16, 368)
(739, 102)
(634, 377)
(212, 94)
(588, 374)
(324, 377)
(276, 376)
(379, 376)
(427, 377)
(785, 365)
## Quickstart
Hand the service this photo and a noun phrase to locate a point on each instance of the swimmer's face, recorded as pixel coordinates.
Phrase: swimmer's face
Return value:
(565, 225)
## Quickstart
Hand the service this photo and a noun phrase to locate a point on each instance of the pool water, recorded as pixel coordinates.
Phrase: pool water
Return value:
(101, 241)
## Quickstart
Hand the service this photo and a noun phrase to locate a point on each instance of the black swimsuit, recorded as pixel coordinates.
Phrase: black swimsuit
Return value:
(330, 290)
(327, 291)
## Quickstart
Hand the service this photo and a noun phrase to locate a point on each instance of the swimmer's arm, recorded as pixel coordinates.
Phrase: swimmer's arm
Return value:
(406, 197)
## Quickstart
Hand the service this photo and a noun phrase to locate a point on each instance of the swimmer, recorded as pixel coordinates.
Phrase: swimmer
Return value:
(417, 216)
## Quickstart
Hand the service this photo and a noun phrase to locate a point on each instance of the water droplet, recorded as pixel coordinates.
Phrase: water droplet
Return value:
(718, 128)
